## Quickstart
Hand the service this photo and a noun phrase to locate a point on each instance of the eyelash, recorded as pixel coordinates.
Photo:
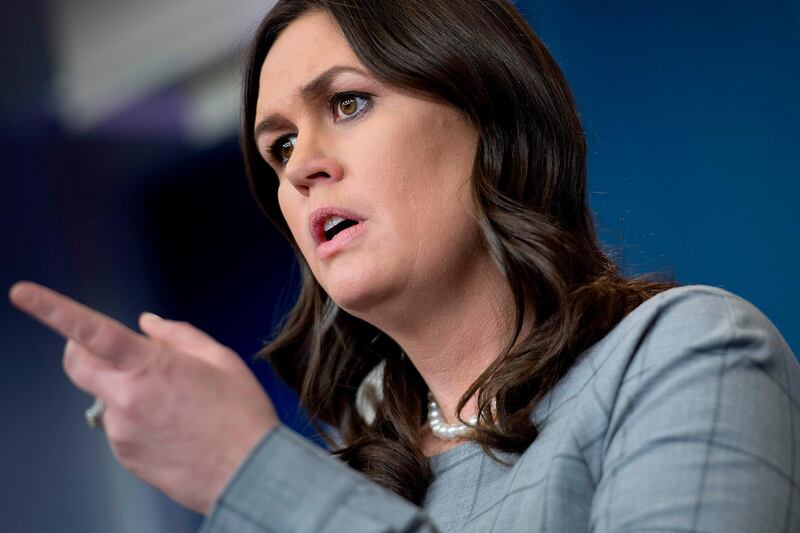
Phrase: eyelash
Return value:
(333, 102)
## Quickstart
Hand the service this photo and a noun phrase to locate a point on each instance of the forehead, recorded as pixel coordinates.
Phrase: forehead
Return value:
(308, 46)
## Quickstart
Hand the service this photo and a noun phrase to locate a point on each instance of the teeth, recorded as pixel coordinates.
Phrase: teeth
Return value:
(331, 222)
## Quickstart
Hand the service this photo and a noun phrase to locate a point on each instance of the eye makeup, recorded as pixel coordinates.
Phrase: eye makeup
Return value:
(280, 149)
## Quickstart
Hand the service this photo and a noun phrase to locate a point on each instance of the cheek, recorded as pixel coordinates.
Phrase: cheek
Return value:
(427, 178)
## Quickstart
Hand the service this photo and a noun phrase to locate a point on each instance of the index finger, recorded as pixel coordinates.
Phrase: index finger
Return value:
(97, 332)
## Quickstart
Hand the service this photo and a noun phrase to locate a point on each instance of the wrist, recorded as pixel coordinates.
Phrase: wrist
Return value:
(231, 463)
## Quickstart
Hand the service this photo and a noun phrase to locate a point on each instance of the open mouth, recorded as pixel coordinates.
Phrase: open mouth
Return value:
(335, 225)
(328, 222)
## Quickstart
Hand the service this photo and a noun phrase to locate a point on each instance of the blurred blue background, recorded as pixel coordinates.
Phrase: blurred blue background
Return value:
(122, 186)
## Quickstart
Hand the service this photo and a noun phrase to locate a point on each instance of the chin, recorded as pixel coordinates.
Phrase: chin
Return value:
(354, 295)
(359, 293)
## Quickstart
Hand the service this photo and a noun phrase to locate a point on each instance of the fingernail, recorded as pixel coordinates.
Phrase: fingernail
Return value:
(152, 317)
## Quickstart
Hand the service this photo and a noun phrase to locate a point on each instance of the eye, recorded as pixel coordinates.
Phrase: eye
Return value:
(281, 150)
(346, 106)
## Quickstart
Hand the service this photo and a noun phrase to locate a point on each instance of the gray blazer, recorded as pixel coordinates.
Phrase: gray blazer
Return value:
(683, 418)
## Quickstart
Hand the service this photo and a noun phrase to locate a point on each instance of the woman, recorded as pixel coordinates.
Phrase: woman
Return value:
(433, 183)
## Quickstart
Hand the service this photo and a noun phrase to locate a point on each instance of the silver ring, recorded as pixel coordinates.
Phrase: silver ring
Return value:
(94, 414)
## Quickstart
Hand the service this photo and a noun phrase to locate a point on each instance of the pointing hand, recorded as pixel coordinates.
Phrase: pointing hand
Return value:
(182, 411)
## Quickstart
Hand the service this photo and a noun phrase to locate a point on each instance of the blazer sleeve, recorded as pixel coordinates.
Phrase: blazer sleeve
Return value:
(289, 484)
(704, 428)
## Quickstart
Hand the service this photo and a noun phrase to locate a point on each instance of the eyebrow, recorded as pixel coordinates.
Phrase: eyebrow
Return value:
(310, 91)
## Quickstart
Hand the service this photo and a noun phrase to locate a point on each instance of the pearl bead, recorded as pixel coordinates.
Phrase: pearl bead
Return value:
(443, 430)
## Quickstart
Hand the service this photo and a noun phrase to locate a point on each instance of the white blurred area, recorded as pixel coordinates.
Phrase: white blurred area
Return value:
(112, 56)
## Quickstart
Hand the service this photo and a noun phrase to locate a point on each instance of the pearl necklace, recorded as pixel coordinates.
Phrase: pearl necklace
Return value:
(443, 430)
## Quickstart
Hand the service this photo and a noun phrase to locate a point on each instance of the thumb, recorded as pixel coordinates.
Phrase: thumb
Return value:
(180, 335)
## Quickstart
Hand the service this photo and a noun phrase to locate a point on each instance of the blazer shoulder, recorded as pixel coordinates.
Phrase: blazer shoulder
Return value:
(692, 302)
(682, 328)
(703, 314)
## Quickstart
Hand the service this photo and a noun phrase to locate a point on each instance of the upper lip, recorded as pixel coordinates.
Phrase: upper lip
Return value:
(316, 221)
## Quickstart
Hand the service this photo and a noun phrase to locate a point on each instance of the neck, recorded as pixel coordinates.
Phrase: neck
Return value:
(454, 333)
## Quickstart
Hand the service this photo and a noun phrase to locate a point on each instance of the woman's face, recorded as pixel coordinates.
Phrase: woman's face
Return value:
(373, 181)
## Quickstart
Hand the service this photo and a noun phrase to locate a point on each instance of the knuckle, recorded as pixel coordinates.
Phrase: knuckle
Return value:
(101, 337)
(125, 401)
(86, 331)
(70, 359)
(75, 367)
(105, 339)
(132, 406)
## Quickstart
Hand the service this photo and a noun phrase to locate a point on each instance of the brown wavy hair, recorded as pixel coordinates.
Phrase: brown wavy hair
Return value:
(529, 185)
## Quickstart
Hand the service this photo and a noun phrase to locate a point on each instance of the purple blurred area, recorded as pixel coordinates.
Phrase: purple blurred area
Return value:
(123, 187)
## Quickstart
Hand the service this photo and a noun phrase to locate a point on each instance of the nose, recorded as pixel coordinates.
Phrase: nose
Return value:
(311, 165)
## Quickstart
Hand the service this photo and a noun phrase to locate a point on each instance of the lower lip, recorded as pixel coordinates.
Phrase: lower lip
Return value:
(335, 245)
